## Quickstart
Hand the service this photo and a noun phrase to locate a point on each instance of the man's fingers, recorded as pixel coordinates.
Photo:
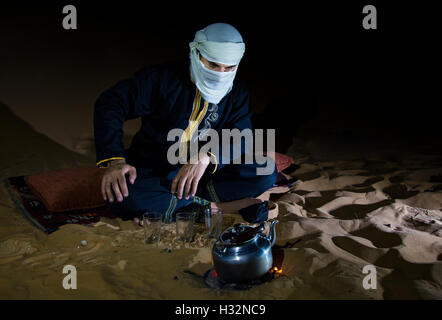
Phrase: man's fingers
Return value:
(132, 174)
(176, 181)
(115, 178)
(181, 187)
(174, 184)
(123, 185)
(103, 189)
(107, 187)
(187, 188)
(138, 221)
(117, 190)
(194, 186)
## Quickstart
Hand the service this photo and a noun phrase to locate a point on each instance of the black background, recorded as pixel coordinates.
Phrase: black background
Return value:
(302, 60)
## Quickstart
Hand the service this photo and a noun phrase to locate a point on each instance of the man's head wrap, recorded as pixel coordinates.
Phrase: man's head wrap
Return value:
(220, 43)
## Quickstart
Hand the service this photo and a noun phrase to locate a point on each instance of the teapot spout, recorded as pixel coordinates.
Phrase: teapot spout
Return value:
(272, 233)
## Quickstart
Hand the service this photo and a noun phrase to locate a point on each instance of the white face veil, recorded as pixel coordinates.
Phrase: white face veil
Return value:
(221, 43)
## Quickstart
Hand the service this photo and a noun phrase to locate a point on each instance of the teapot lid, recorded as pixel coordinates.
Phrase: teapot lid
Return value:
(239, 234)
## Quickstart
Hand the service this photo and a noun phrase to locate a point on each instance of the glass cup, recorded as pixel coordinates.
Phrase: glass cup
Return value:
(184, 226)
(152, 227)
(214, 222)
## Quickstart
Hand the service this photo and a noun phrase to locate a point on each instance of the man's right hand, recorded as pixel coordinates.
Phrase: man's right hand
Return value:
(115, 178)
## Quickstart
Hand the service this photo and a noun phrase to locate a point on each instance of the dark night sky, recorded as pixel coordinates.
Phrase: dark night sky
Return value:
(380, 78)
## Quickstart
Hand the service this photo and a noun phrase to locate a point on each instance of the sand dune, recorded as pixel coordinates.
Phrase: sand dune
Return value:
(339, 217)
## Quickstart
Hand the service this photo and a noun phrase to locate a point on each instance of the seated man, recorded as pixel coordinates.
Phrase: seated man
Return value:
(200, 94)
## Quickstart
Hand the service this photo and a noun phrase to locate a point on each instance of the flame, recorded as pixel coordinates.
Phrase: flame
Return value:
(276, 270)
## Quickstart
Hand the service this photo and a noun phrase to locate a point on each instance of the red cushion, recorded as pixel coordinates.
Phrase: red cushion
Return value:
(283, 161)
(68, 189)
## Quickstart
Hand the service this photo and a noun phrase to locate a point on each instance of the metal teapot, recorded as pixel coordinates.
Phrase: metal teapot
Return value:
(243, 253)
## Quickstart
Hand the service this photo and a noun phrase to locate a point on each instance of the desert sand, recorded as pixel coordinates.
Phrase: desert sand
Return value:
(342, 215)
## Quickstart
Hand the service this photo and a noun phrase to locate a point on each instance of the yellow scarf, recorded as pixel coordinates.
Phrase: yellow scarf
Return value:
(195, 119)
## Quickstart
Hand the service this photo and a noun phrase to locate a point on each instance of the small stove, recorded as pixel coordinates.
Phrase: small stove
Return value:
(214, 281)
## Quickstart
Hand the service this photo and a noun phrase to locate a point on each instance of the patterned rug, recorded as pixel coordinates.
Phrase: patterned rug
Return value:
(35, 211)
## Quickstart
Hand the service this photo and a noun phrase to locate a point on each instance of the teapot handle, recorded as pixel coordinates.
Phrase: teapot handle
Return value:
(261, 227)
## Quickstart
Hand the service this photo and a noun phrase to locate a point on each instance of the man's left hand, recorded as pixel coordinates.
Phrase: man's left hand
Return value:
(187, 179)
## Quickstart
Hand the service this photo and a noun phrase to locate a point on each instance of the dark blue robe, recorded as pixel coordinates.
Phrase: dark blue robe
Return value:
(162, 96)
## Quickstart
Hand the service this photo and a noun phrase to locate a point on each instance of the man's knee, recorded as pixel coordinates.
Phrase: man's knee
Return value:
(263, 180)
(266, 181)
(263, 176)
(266, 173)
(128, 208)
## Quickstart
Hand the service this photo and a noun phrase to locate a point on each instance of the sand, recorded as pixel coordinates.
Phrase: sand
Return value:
(341, 215)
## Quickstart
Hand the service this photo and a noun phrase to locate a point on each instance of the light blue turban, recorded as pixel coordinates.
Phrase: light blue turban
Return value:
(219, 42)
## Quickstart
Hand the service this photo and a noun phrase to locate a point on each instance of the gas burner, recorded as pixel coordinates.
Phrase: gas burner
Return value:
(214, 281)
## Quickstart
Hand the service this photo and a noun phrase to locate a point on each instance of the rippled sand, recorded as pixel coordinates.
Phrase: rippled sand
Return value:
(340, 216)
